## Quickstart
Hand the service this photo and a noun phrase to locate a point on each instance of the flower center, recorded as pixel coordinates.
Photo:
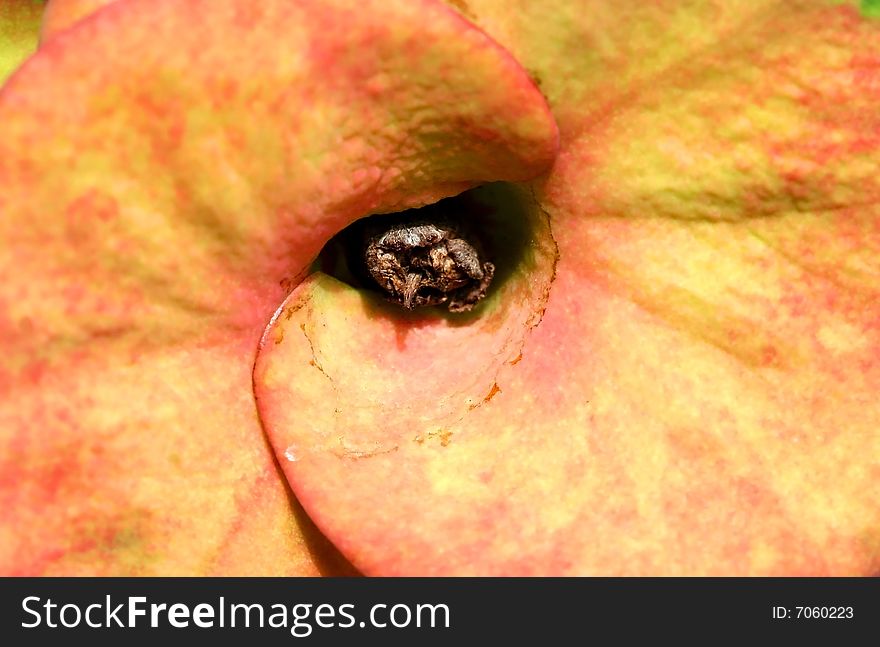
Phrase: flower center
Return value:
(453, 254)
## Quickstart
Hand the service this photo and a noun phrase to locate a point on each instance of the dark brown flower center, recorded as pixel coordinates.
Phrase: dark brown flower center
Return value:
(424, 263)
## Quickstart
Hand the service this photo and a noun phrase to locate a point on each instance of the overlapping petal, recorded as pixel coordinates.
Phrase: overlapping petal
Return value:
(701, 394)
(168, 170)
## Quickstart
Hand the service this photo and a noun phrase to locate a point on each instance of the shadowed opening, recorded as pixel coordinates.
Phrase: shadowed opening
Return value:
(492, 217)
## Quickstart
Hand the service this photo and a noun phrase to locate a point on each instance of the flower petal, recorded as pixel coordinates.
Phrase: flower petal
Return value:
(167, 170)
(701, 394)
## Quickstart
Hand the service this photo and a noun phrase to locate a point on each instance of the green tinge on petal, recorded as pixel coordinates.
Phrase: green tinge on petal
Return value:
(19, 32)
(871, 8)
